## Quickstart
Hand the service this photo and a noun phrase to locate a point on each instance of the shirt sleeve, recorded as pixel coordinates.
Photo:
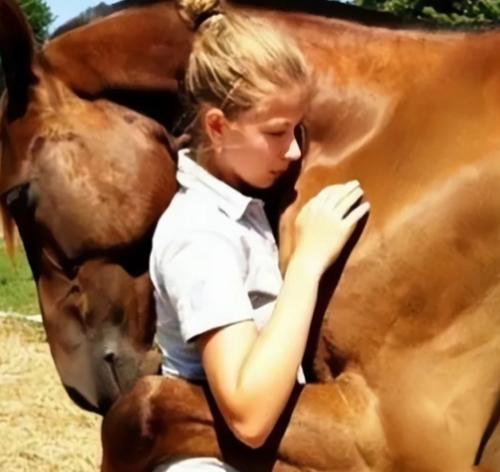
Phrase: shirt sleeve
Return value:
(203, 276)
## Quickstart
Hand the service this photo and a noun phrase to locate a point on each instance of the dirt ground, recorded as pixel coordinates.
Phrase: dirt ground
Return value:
(40, 428)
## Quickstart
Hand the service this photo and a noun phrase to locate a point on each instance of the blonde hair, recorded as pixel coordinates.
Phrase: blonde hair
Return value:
(236, 60)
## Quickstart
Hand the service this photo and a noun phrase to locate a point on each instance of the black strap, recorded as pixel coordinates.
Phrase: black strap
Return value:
(205, 16)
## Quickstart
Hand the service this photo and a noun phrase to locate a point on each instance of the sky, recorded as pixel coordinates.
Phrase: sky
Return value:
(64, 10)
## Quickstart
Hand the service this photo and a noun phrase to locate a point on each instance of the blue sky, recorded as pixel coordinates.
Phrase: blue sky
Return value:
(67, 9)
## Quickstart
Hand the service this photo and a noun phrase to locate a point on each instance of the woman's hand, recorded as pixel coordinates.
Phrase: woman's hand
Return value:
(323, 225)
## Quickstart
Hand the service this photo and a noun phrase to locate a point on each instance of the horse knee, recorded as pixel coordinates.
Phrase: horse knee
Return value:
(127, 438)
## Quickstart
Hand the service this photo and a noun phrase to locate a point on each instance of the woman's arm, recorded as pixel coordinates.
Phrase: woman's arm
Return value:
(252, 374)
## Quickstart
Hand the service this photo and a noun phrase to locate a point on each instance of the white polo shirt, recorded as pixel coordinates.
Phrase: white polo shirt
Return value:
(214, 262)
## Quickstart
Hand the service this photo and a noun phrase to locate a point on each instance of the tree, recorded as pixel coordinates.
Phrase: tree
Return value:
(452, 12)
(39, 16)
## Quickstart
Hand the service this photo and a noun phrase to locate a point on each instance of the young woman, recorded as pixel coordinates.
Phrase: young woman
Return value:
(224, 312)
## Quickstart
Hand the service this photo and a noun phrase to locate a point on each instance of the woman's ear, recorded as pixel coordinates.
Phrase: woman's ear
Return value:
(214, 123)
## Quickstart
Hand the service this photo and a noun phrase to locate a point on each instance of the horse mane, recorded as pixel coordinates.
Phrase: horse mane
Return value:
(9, 231)
(7, 224)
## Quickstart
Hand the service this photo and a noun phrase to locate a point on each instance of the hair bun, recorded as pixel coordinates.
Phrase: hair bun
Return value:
(195, 12)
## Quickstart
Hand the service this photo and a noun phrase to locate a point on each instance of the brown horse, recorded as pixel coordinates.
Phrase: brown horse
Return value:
(85, 214)
(412, 325)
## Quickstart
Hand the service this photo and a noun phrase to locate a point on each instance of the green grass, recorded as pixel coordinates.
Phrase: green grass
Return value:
(17, 288)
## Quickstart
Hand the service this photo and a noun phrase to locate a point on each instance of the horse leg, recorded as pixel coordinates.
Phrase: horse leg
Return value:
(332, 427)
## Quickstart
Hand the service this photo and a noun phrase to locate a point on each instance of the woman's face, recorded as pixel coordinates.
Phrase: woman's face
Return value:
(257, 147)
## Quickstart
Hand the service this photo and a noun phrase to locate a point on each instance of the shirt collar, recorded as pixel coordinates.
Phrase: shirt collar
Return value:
(191, 175)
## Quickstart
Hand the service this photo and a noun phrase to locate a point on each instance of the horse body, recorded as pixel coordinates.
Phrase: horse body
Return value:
(414, 310)
(413, 314)
(409, 348)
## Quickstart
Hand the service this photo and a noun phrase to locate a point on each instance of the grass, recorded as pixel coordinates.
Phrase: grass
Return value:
(17, 288)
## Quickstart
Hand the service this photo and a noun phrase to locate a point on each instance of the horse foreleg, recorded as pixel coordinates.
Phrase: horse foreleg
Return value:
(159, 418)
(331, 427)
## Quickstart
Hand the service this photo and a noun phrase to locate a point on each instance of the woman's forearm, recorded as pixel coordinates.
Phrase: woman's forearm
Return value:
(269, 371)
(253, 385)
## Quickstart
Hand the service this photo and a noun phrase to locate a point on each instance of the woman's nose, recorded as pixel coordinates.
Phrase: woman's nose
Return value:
(294, 151)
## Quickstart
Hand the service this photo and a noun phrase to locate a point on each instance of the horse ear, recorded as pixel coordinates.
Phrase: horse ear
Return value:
(16, 54)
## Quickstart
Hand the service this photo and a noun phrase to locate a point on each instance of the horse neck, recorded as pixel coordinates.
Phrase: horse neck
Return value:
(144, 48)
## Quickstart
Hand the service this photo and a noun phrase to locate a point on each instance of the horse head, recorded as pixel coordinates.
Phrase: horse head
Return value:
(69, 170)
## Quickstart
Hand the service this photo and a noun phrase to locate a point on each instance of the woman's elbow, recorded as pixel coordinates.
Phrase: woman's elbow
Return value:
(251, 433)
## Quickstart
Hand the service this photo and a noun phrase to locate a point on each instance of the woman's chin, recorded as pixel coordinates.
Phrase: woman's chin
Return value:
(255, 188)
(267, 184)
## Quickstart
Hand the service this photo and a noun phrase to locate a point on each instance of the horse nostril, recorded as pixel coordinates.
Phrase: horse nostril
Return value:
(109, 357)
